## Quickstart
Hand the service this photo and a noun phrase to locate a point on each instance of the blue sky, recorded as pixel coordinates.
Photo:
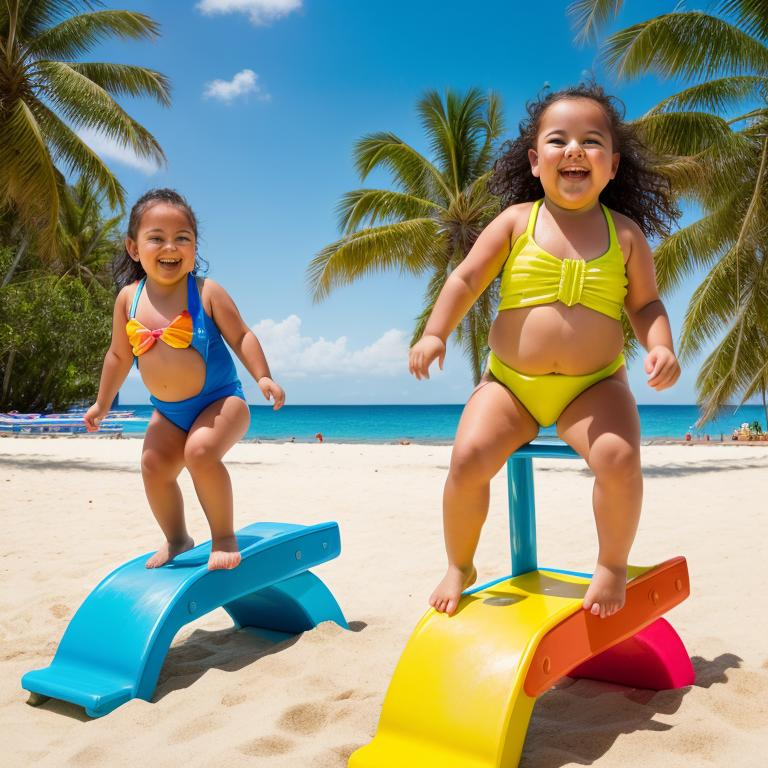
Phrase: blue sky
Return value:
(269, 98)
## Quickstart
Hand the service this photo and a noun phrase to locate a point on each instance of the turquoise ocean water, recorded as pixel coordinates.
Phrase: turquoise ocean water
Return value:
(436, 423)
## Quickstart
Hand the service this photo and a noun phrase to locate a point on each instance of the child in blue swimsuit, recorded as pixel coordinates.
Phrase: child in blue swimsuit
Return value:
(177, 324)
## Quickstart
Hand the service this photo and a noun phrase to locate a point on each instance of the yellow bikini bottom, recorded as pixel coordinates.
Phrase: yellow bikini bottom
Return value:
(546, 396)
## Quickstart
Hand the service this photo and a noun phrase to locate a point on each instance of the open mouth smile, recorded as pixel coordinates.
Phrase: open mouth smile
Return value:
(574, 173)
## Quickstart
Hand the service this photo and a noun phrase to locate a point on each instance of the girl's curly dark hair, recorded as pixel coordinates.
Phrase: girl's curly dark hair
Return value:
(638, 191)
(124, 269)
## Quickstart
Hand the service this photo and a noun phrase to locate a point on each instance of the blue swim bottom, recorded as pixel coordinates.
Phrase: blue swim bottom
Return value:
(183, 413)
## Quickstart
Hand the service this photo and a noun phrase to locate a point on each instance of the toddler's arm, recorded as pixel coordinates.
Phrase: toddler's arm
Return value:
(117, 364)
(462, 289)
(242, 341)
(648, 316)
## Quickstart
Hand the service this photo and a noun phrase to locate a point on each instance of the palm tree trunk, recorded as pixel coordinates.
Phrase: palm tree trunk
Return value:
(9, 368)
(20, 251)
(43, 396)
(765, 406)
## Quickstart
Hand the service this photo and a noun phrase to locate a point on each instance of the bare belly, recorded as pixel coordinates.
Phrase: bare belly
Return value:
(554, 338)
(172, 374)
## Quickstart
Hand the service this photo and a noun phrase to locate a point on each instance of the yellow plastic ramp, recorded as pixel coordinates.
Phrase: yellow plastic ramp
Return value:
(463, 691)
(456, 699)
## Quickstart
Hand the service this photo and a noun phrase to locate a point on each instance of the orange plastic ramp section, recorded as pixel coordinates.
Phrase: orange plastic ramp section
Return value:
(581, 636)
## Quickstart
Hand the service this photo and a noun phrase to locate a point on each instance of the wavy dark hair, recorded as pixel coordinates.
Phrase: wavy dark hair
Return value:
(124, 269)
(639, 191)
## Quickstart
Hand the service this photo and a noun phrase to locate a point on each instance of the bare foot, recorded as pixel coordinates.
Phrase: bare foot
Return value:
(168, 551)
(445, 598)
(224, 554)
(607, 591)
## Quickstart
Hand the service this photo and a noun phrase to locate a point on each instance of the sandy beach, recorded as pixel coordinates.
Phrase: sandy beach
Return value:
(74, 508)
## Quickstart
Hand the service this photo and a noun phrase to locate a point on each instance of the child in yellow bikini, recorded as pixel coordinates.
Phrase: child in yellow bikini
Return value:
(580, 198)
(176, 323)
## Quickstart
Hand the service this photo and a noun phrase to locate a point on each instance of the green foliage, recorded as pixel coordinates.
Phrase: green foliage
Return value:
(713, 137)
(46, 97)
(56, 317)
(427, 224)
(53, 333)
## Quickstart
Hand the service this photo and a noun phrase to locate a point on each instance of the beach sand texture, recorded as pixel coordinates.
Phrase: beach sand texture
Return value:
(74, 508)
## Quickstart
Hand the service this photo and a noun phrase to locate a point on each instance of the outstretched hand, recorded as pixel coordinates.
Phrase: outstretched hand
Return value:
(662, 368)
(272, 391)
(423, 354)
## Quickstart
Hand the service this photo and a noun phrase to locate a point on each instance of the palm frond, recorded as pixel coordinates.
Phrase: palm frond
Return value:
(407, 246)
(750, 15)
(28, 178)
(36, 16)
(86, 104)
(682, 133)
(77, 35)
(589, 16)
(699, 244)
(715, 303)
(736, 369)
(457, 131)
(127, 80)
(715, 95)
(374, 206)
(494, 128)
(412, 172)
(686, 45)
(76, 157)
(717, 172)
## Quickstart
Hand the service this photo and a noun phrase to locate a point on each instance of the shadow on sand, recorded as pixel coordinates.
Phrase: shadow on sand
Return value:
(578, 721)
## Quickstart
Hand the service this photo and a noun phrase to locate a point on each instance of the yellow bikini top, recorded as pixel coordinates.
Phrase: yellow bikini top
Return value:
(531, 276)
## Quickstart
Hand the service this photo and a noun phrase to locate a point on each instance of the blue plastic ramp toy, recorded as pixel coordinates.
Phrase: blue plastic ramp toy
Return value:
(115, 644)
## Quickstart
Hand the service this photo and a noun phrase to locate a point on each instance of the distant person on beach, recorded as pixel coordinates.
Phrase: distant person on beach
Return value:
(580, 196)
(177, 322)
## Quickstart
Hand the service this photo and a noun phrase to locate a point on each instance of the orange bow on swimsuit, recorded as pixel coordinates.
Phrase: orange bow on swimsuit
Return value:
(177, 334)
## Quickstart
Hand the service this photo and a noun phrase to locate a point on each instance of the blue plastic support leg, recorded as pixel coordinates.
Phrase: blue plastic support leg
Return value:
(291, 606)
(115, 644)
(522, 506)
(522, 515)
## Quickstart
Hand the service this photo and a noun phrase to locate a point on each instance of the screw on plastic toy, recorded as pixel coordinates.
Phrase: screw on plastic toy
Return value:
(298, 554)
(547, 665)
(679, 585)
(325, 545)
(654, 595)
(192, 606)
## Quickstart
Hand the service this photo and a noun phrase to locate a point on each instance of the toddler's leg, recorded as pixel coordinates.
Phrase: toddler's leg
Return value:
(214, 432)
(161, 461)
(492, 426)
(603, 425)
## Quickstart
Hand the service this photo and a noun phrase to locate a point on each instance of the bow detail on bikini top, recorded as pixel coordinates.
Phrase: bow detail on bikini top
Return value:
(532, 276)
(177, 334)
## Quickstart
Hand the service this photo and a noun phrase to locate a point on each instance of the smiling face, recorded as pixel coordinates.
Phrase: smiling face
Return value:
(164, 244)
(574, 157)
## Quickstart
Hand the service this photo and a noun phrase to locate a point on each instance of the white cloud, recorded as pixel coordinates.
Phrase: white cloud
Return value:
(259, 11)
(242, 83)
(108, 149)
(295, 356)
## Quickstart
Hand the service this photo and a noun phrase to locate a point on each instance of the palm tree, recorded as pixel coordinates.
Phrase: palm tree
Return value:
(431, 219)
(77, 282)
(714, 135)
(89, 241)
(46, 95)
